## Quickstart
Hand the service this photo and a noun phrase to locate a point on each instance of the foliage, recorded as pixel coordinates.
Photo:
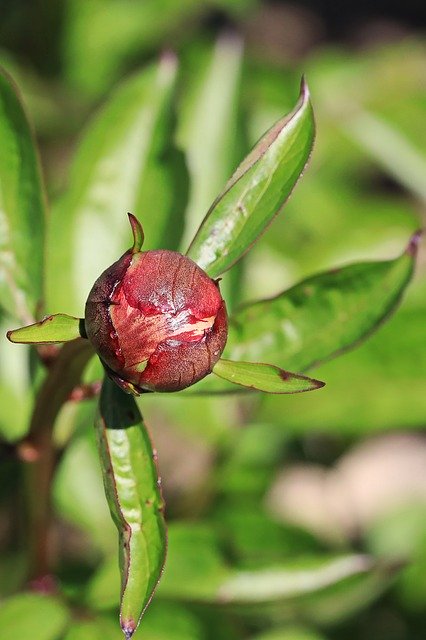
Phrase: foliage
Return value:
(241, 562)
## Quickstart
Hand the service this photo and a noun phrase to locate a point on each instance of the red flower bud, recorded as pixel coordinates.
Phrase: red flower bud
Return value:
(156, 320)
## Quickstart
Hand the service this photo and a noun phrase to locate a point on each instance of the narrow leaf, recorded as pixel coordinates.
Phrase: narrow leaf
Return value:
(313, 587)
(264, 377)
(133, 492)
(22, 209)
(256, 192)
(322, 316)
(267, 585)
(56, 328)
(209, 130)
(126, 162)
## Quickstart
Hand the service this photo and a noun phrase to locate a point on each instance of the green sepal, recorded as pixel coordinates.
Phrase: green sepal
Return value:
(138, 234)
(264, 377)
(134, 497)
(52, 329)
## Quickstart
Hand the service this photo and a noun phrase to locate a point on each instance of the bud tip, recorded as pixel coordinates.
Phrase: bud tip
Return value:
(128, 629)
(138, 235)
(304, 90)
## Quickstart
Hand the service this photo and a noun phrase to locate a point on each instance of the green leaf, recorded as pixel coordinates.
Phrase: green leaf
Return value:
(35, 616)
(279, 583)
(22, 209)
(319, 588)
(134, 497)
(321, 316)
(52, 329)
(126, 162)
(264, 377)
(256, 192)
(209, 130)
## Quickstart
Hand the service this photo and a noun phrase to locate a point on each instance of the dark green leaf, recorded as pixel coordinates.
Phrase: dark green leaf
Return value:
(56, 328)
(30, 615)
(256, 191)
(126, 162)
(22, 209)
(264, 377)
(323, 315)
(134, 497)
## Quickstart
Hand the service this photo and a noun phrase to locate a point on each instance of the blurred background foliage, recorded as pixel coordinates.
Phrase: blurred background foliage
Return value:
(296, 518)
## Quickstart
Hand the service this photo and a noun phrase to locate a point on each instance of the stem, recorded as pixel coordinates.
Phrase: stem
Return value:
(37, 451)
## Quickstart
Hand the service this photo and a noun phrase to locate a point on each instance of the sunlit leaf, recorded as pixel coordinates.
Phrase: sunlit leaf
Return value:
(256, 191)
(264, 377)
(134, 498)
(320, 587)
(209, 124)
(22, 209)
(126, 162)
(323, 315)
(56, 328)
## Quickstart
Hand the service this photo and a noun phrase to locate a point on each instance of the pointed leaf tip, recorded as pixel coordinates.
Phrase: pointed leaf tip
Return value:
(138, 234)
(257, 190)
(413, 244)
(264, 377)
(128, 627)
(51, 330)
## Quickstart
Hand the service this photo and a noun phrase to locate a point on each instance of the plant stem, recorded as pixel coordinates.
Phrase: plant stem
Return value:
(37, 451)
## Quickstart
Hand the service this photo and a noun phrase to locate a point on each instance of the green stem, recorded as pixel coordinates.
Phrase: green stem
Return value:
(37, 451)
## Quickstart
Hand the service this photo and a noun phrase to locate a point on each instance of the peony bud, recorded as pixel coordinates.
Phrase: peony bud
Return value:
(156, 320)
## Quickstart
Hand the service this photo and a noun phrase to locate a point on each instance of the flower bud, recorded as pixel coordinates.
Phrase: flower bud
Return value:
(156, 320)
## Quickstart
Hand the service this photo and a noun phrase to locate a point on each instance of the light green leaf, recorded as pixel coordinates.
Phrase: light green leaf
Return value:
(209, 124)
(22, 209)
(256, 191)
(52, 329)
(101, 36)
(264, 377)
(275, 584)
(319, 588)
(322, 315)
(134, 497)
(126, 162)
(389, 148)
(31, 615)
